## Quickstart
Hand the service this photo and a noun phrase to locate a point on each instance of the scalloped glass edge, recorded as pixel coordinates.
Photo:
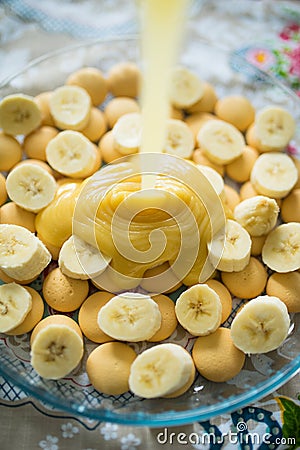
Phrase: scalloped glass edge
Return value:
(153, 420)
(170, 418)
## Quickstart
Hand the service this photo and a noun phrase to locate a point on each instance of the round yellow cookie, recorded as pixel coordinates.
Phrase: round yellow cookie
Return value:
(93, 81)
(237, 110)
(11, 213)
(63, 293)
(290, 207)
(168, 318)
(232, 198)
(124, 80)
(216, 357)
(257, 244)
(225, 297)
(119, 106)
(96, 126)
(247, 190)
(42, 101)
(56, 319)
(33, 317)
(197, 120)
(88, 315)
(3, 192)
(10, 152)
(35, 143)
(247, 283)
(199, 157)
(52, 248)
(207, 102)
(286, 286)
(107, 148)
(240, 169)
(108, 367)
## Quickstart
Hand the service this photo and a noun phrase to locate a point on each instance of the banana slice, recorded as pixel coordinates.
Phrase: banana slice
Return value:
(22, 255)
(15, 304)
(281, 250)
(160, 370)
(130, 317)
(72, 154)
(214, 178)
(78, 259)
(19, 114)
(261, 325)
(258, 215)
(185, 88)
(199, 310)
(179, 139)
(274, 174)
(31, 187)
(274, 127)
(127, 133)
(237, 249)
(220, 141)
(57, 348)
(70, 107)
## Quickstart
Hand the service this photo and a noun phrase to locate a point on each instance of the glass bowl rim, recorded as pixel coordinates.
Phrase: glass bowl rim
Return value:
(170, 418)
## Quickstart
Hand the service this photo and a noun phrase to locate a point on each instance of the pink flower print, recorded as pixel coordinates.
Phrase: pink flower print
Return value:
(260, 57)
(290, 32)
(295, 61)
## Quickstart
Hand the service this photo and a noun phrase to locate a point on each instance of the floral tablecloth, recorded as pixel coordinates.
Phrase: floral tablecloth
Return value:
(267, 33)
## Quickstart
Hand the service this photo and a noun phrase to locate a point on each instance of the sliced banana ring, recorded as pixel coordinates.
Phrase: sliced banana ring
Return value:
(72, 154)
(274, 174)
(19, 114)
(127, 133)
(237, 249)
(15, 304)
(221, 142)
(199, 310)
(274, 127)
(130, 317)
(31, 187)
(185, 88)
(70, 107)
(261, 325)
(281, 250)
(160, 370)
(179, 139)
(80, 260)
(258, 214)
(22, 255)
(57, 347)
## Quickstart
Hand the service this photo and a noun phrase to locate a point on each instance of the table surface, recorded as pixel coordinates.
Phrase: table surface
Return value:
(29, 28)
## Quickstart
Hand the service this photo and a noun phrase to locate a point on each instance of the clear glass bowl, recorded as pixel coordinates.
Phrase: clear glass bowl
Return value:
(262, 374)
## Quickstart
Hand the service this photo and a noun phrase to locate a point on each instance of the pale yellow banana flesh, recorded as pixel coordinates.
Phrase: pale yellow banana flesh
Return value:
(199, 310)
(15, 304)
(19, 114)
(258, 215)
(261, 326)
(56, 351)
(22, 255)
(31, 187)
(130, 317)
(79, 260)
(274, 174)
(281, 250)
(160, 370)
